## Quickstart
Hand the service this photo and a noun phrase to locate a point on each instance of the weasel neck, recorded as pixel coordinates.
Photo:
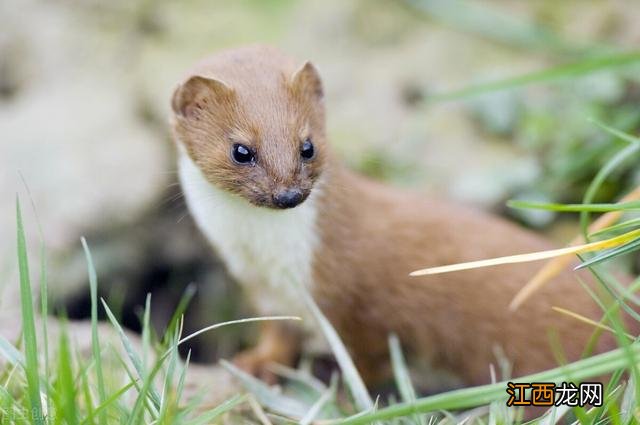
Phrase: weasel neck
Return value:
(267, 251)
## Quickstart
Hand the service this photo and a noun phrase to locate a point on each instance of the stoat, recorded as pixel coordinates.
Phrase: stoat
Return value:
(281, 210)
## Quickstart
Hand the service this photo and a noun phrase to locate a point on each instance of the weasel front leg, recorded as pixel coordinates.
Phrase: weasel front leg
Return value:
(277, 343)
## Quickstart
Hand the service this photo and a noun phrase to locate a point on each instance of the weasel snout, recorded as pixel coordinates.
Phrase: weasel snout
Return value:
(289, 198)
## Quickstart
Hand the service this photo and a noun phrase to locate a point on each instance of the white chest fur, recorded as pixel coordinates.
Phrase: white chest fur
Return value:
(266, 251)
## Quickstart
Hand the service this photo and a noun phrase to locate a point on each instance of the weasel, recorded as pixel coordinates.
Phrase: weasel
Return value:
(280, 209)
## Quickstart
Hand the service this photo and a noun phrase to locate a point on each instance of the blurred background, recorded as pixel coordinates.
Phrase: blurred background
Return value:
(84, 105)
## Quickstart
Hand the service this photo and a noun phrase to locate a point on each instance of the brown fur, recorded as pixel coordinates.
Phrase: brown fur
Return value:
(373, 235)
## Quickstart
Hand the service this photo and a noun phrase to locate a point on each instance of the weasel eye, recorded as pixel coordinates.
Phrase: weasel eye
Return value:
(242, 154)
(306, 151)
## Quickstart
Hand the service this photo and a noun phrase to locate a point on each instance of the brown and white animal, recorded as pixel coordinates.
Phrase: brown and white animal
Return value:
(281, 210)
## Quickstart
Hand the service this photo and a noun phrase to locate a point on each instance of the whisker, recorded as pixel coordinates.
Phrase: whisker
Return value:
(182, 217)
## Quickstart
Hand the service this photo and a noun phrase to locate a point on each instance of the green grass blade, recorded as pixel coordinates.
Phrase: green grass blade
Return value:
(6, 399)
(210, 416)
(89, 403)
(146, 332)
(131, 353)
(317, 407)
(28, 325)
(620, 299)
(476, 396)
(66, 387)
(95, 339)
(402, 377)
(575, 69)
(113, 398)
(300, 376)
(184, 302)
(167, 401)
(624, 226)
(625, 344)
(627, 248)
(144, 395)
(10, 352)
(614, 319)
(621, 206)
(480, 19)
(44, 292)
(266, 395)
(604, 172)
(351, 376)
(610, 410)
(183, 376)
(628, 405)
(617, 133)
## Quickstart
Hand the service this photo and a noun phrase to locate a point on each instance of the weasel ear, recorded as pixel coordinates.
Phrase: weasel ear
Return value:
(306, 80)
(197, 93)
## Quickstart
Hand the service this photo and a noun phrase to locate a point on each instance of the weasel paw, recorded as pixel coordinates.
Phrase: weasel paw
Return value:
(255, 363)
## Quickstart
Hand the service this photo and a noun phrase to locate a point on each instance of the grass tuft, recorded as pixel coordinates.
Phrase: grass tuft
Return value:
(95, 340)
(28, 325)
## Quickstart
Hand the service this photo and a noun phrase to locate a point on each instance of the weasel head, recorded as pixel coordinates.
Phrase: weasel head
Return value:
(254, 124)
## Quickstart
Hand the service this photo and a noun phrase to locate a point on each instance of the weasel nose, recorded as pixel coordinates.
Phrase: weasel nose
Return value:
(288, 198)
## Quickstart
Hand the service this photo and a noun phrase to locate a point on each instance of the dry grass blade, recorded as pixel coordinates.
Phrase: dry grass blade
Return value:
(235, 322)
(258, 411)
(557, 265)
(588, 321)
(534, 256)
